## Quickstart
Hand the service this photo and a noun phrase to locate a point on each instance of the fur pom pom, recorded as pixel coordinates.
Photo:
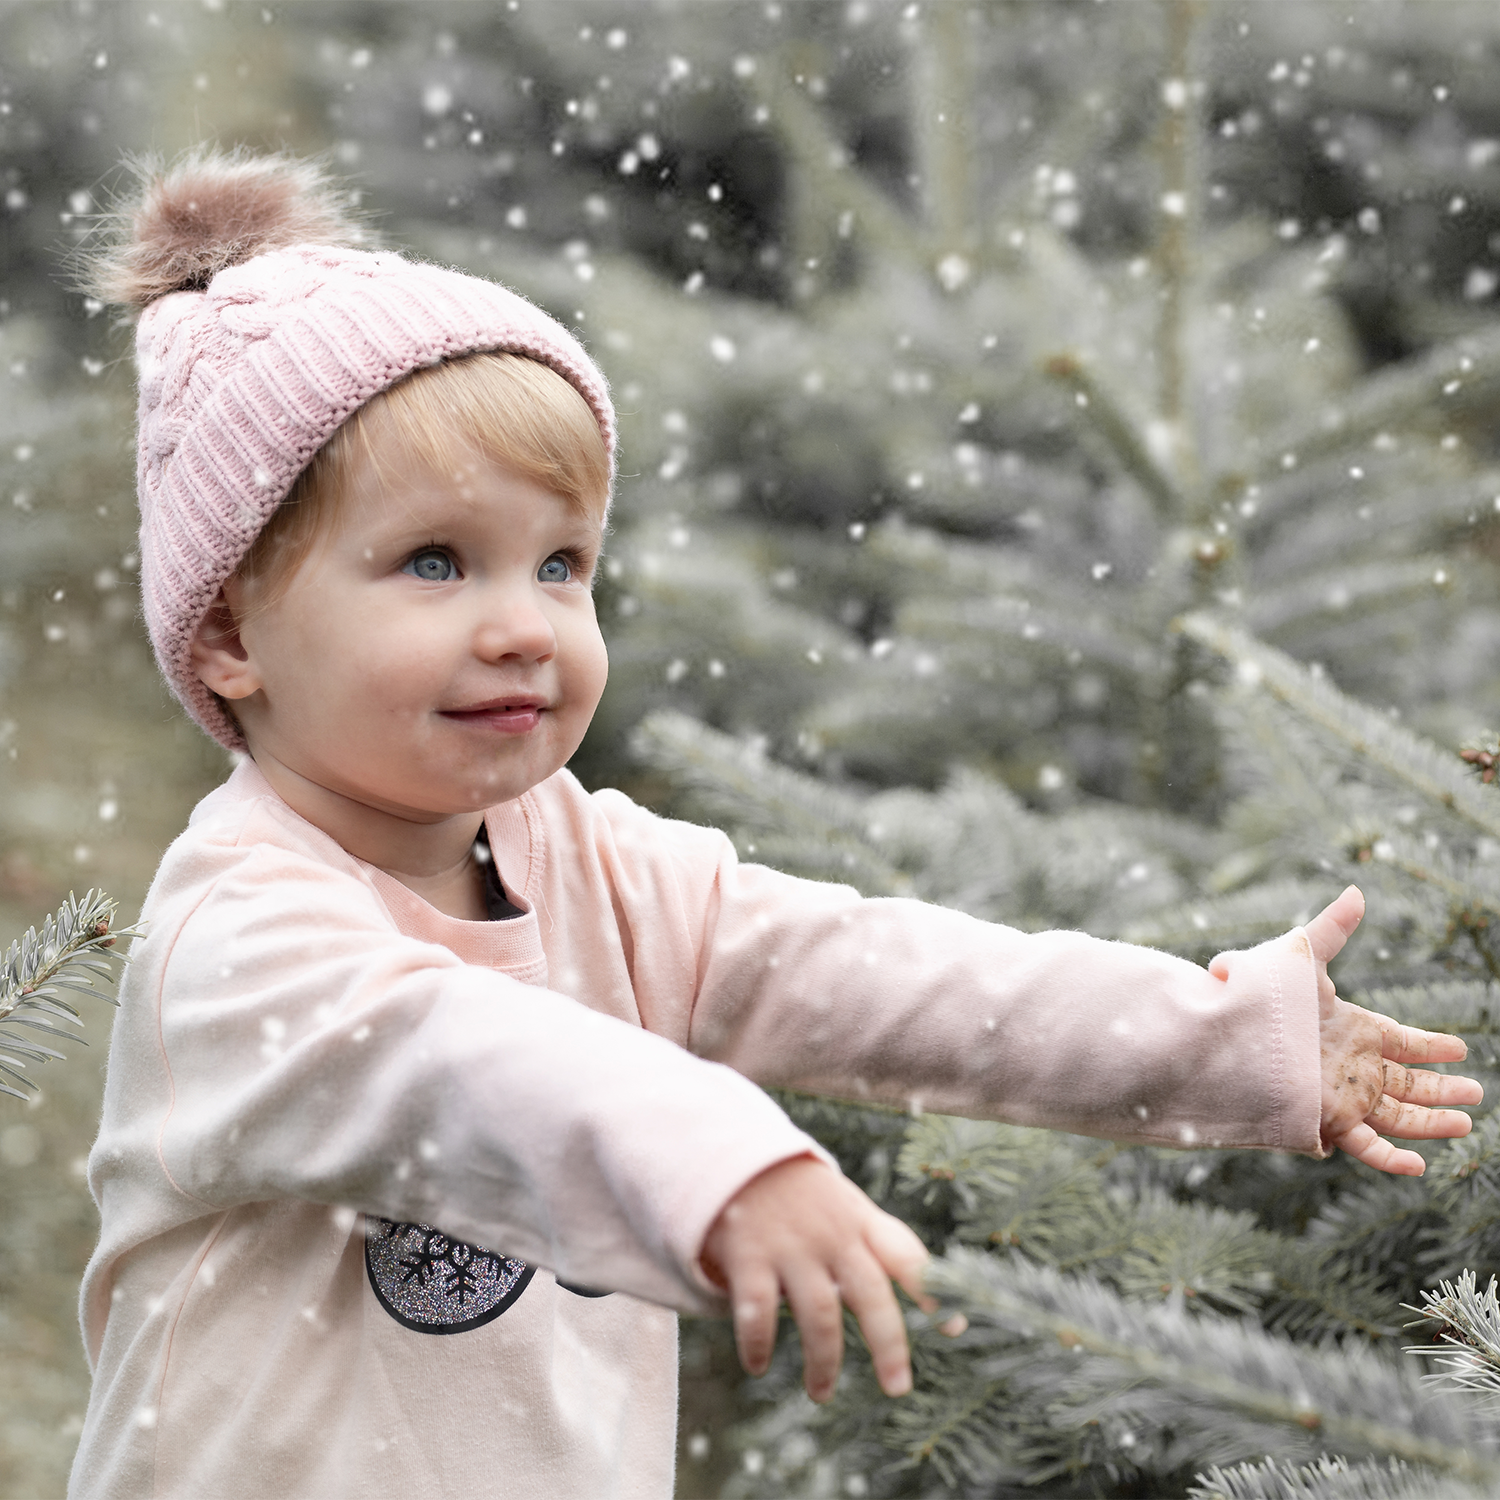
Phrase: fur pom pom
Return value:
(209, 210)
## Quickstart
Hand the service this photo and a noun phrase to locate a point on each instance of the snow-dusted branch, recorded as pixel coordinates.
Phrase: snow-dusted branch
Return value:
(69, 952)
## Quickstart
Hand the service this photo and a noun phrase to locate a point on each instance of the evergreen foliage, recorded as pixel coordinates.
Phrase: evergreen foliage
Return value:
(1057, 483)
(68, 953)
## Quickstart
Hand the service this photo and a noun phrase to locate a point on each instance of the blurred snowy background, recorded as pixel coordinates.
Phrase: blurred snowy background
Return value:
(958, 347)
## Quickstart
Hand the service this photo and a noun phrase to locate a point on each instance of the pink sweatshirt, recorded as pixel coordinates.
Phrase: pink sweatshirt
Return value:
(312, 1068)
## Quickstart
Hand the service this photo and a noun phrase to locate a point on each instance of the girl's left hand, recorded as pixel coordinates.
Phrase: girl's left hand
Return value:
(1368, 1089)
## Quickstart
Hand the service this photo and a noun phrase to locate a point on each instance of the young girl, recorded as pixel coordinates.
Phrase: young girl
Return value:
(433, 1092)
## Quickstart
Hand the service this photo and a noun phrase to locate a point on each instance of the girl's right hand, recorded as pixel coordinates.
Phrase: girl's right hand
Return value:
(801, 1231)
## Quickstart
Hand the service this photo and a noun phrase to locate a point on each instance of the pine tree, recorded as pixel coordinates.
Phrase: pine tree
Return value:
(1048, 429)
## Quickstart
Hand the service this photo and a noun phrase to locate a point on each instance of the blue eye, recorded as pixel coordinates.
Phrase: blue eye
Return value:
(555, 570)
(431, 565)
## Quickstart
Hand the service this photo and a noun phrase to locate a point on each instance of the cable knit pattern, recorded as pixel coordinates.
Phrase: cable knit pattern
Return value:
(242, 383)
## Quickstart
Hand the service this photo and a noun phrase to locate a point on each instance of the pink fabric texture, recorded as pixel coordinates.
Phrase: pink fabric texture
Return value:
(242, 383)
(301, 1037)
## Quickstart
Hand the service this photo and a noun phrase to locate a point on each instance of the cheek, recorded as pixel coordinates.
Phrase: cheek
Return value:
(367, 667)
(591, 664)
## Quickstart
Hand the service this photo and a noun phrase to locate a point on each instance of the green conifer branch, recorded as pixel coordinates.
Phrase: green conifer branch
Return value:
(1411, 500)
(1329, 1478)
(1468, 1323)
(822, 163)
(1180, 209)
(67, 954)
(1362, 1403)
(1317, 1293)
(1468, 886)
(1245, 916)
(1470, 1007)
(1450, 381)
(1050, 626)
(1346, 592)
(737, 782)
(1394, 749)
(1122, 432)
(1375, 1225)
(942, 89)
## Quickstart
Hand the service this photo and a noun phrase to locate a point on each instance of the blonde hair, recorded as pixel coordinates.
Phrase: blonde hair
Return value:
(514, 411)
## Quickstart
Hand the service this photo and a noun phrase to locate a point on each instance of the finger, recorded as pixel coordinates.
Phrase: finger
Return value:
(867, 1293)
(1364, 1145)
(1335, 924)
(1421, 1087)
(814, 1300)
(755, 1297)
(1413, 1123)
(1410, 1044)
(902, 1256)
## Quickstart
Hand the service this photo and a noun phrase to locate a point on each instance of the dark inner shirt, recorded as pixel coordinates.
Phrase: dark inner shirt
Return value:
(499, 906)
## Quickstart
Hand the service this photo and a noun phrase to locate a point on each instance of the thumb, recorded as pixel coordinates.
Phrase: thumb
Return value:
(1334, 925)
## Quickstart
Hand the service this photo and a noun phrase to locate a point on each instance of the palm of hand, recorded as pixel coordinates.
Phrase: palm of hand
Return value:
(1367, 1087)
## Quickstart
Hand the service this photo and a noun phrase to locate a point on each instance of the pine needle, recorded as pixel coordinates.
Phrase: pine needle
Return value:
(65, 953)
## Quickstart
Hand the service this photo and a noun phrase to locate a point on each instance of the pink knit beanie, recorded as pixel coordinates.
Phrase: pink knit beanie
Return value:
(263, 326)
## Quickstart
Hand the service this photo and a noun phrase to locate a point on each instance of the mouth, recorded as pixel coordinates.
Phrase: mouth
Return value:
(501, 715)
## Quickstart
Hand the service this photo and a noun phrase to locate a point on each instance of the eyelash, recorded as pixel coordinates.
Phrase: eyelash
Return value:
(580, 564)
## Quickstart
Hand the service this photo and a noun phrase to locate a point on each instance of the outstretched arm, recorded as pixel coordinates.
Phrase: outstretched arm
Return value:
(1368, 1089)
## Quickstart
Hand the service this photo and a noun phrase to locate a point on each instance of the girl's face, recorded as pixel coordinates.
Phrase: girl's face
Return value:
(437, 652)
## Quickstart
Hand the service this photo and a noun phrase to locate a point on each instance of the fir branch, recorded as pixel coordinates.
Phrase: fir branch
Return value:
(1470, 1007)
(1015, 1187)
(1316, 1294)
(943, 79)
(1412, 760)
(1468, 1322)
(67, 953)
(1467, 886)
(1347, 590)
(1121, 430)
(1220, 922)
(736, 781)
(1294, 532)
(1465, 1187)
(1202, 1254)
(1376, 1226)
(1047, 627)
(1330, 1479)
(1362, 1403)
(1453, 378)
(1179, 221)
(957, 1423)
(823, 163)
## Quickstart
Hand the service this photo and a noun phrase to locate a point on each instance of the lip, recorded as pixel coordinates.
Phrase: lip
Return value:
(519, 715)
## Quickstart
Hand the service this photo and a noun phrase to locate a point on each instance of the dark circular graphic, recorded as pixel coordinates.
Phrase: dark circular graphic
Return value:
(434, 1284)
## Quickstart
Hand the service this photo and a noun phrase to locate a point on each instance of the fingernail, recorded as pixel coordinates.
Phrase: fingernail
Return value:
(900, 1385)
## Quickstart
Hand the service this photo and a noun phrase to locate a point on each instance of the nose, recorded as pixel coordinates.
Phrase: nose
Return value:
(514, 626)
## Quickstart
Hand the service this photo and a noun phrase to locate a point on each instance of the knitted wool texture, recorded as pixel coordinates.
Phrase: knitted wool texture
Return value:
(241, 383)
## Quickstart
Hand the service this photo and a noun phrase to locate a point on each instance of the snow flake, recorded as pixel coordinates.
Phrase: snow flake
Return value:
(953, 271)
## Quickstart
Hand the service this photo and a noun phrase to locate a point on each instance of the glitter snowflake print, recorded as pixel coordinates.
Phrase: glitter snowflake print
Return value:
(435, 1284)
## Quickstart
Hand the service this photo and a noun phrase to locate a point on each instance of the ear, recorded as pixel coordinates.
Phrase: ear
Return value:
(219, 655)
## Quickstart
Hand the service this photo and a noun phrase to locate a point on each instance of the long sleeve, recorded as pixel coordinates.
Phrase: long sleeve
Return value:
(805, 984)
(303, 1049)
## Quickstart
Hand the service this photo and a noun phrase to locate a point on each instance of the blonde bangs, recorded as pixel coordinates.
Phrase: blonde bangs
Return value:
(516, 412)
